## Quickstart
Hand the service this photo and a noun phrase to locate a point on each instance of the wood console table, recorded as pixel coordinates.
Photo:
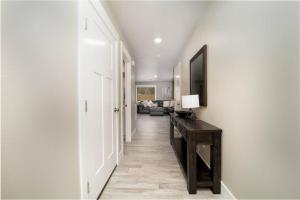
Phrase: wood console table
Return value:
(194, 132)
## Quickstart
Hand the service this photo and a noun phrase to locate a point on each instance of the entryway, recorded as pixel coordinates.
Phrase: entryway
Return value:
(149, 169)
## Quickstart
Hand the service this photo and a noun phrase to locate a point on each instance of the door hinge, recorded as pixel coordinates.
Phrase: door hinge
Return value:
(88, 187)
(85, 106)
(85, 25)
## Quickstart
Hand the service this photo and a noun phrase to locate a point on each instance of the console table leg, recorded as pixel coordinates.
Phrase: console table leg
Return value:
(191, 167)
(215, 159)
(171, 133)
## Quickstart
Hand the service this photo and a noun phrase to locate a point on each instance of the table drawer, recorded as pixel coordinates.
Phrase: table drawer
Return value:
(204, 139)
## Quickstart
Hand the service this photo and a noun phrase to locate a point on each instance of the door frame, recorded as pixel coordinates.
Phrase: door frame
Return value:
(128, 67)
(177, 76)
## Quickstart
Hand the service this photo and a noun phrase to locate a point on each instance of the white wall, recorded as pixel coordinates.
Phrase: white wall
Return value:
(253, 93)
(159, 86)
(107, 6)
(39, 100)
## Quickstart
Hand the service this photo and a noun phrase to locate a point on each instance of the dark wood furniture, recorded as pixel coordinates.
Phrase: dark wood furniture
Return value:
(193, 133)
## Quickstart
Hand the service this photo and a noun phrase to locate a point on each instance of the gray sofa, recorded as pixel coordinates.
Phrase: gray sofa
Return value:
(157, 111)
(141, 109)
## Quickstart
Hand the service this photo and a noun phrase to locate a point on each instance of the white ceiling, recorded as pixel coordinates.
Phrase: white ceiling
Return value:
(141, 21)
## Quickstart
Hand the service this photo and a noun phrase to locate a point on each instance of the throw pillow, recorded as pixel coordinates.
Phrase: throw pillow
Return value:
(166, 104)
(145, 103)
(150, 103)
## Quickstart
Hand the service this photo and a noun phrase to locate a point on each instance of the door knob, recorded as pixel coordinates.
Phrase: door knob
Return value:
(116, 110)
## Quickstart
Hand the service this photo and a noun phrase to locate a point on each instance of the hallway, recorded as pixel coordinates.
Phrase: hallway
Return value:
(149, 169)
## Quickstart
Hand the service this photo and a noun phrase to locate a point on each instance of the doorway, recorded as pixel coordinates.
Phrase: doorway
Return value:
(124, 100)
(98, 97)
(125, 107)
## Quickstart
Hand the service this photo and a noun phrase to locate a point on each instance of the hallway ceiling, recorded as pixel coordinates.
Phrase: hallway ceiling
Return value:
(142, 21)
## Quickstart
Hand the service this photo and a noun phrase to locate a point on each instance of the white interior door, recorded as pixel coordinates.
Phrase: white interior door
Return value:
(97, 55)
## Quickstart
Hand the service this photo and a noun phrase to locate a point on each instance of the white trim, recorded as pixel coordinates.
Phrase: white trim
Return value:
(121, 70)
(120, 157)
(104, 17)
(128, 101)
(0, 92)
(125, 53)
(226, 192)
(224, 189)
(136, 86)
(133, 132)
(119, 106)
(117, 103)
(177, 86)
(125, 56)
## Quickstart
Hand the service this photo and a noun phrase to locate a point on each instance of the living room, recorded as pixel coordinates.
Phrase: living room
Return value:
(155, 97)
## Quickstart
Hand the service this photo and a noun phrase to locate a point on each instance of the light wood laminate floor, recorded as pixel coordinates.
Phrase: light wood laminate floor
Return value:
(149, 169)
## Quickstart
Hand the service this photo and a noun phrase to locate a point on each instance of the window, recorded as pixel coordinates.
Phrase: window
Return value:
(145, 92)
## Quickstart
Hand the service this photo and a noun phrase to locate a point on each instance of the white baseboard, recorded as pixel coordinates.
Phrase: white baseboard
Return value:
(120, 157)
(224, 189)
(226, 192)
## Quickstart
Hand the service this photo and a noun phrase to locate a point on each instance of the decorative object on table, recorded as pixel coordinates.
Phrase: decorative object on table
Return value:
(190, 102)
(182, 113)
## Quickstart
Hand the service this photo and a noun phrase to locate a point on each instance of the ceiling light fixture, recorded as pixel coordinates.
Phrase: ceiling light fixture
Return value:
(157, 40)
(155, 76)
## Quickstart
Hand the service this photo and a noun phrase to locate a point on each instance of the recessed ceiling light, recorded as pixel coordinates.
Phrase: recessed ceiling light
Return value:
(177, 76)
(158, 55)
(157, 40)
(155, 76)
